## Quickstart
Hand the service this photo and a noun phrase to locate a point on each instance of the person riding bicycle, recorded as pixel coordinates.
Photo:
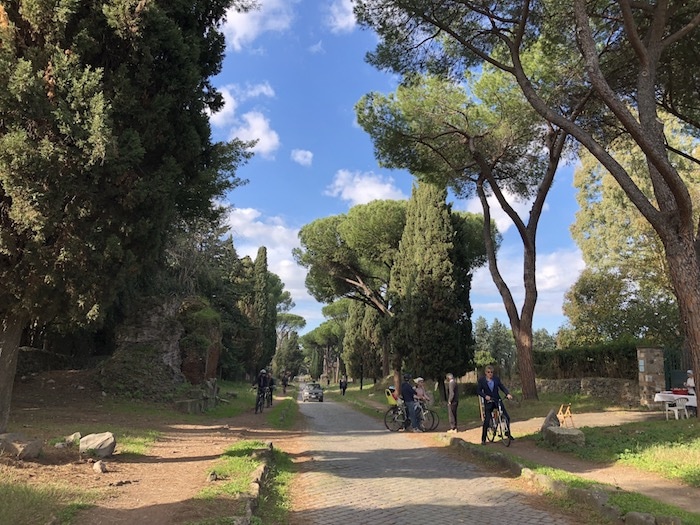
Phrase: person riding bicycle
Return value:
(261, 383)
(488, 387)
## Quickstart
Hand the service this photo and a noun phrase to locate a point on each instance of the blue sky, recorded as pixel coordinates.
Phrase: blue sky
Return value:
(294, 69)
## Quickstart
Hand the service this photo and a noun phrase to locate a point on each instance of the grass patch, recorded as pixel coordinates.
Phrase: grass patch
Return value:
(136, 443)
(235, 468)
(24, 504)
(283, 415)
(668, 448)
(276, 504)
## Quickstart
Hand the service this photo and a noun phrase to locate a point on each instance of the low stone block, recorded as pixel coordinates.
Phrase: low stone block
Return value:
(20, 446)
(558, 436)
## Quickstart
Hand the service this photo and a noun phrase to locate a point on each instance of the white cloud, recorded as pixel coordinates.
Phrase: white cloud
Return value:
(302, 156)
(317, 48)
(256, 126)
(361, 188)
(257, 90)
(340, 17)
(241, 29)
(556, 273)
(234, 95)
(251, 230)
(226, 115)
(503, 222)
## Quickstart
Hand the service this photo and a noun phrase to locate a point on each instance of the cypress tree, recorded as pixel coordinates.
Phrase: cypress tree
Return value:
(426, 328)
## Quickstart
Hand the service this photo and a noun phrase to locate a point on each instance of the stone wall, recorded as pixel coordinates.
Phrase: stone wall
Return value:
(621, 391)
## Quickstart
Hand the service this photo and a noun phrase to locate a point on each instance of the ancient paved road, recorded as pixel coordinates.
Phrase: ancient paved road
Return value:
(356, 472)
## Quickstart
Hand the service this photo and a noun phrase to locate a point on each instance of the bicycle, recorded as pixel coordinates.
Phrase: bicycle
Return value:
(396, 418)
(260, 400)
(268, 396)
(427, 417)
(499, 426)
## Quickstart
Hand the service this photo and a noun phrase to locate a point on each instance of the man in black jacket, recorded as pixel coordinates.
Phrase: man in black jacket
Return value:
(488, 387)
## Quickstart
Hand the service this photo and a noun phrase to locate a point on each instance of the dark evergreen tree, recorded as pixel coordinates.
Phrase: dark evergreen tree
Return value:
(427, 331)
(104, 145)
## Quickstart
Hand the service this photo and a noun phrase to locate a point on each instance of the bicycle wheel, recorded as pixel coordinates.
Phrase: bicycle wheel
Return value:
(394, 419)
(492, 429)
(427, 419)
(504, 432)
(432, 420)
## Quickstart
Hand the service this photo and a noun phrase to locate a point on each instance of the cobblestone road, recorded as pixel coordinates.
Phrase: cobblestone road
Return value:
(356, 472)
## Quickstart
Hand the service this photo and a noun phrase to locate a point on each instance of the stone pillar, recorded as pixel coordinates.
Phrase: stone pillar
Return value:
(651, 374)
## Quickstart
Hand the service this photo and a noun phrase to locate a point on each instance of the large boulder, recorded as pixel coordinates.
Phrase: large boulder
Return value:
(558, 436)
(20, 446)
(98, 445)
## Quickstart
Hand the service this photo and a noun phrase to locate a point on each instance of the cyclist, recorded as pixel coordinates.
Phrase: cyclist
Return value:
(488, 387)
(261, 383)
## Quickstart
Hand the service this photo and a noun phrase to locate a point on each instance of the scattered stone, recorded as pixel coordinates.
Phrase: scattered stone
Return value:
(98, 445)
(61, 444)
(668, 520)
(212, 477)
(558, 436)
(99, 467)
(639, 518)
(552, 420)
(120, 483)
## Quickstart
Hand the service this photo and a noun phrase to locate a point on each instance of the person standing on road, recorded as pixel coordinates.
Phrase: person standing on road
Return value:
(343, 384)
(488, 387)
(452, 401)
(408, 394)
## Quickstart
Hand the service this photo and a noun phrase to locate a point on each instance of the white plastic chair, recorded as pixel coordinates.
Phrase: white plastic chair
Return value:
(677, 406)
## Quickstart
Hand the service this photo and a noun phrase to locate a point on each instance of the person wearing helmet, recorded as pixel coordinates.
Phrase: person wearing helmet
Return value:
(261, 381)
(408, 394)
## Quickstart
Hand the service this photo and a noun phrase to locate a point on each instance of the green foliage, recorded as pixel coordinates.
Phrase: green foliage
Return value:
(615, 359)
(431, 331)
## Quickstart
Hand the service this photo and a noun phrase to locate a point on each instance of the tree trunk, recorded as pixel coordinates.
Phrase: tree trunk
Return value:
(526, 366)
(10, 333)
(684, 269)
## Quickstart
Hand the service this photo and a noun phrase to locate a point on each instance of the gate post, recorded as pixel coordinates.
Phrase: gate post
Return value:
(651, 374)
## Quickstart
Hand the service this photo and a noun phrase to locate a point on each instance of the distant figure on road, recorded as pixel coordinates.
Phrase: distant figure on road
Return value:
(343, 384)
(452, 401)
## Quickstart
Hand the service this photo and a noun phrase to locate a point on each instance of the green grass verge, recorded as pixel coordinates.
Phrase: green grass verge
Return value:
(276, 504)
(625, 501)
(235, 467)
(668, 448)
